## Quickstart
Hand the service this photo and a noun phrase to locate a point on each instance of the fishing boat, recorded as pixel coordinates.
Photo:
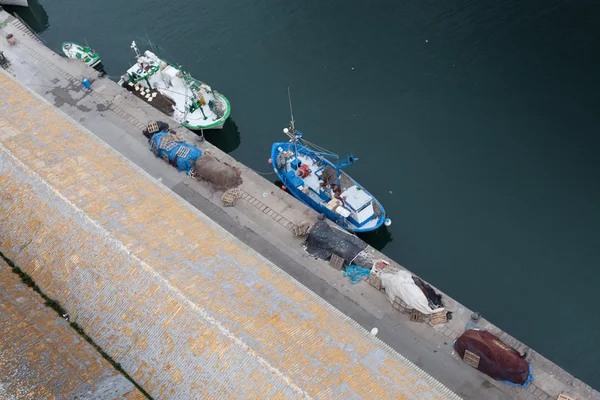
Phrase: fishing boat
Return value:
(314, 176)
(82, 53)
(188, 101)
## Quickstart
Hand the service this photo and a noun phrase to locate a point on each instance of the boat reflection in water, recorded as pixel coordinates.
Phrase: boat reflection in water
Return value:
(377, 239)
(34, 15)
(227, 139)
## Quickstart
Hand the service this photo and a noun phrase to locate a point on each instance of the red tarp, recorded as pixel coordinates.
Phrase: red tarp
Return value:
(497, 359)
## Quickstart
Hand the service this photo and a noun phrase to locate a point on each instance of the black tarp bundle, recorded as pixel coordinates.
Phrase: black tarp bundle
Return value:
(434, 299)
(323, 241)
(496, 359)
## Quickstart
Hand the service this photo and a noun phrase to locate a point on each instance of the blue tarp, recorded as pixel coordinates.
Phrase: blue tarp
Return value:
(526, 383)
(181, 155)
(356, 273)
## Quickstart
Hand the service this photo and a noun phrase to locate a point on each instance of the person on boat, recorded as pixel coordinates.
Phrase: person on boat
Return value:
(337, 190)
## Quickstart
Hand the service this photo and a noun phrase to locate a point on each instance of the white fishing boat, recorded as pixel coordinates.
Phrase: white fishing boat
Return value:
(82, 53)
(188, 101)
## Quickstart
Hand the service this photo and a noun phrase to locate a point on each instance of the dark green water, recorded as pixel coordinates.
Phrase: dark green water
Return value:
(476, 124)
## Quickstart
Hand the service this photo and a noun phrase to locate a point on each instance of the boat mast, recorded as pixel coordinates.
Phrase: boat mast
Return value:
(295, 135)
(134, 47)
(148, 37)
(291, 112)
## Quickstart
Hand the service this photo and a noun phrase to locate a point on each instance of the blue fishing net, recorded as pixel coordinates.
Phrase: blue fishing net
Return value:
(356, 273)
(179, 154)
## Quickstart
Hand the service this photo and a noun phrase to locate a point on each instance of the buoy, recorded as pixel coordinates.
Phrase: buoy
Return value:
(283, 187)
(270, 161)
(387, 222)
(374, 331)
(285, 130)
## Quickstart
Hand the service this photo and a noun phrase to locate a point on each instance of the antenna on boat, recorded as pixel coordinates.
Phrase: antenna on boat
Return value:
(134, 47)
(86, 43)
(291, 111)
(149, 41)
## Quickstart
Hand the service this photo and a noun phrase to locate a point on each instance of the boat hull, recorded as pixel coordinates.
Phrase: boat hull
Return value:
(157, 70)
(94, 62)
(318, 206)
(22, 3)
(217, 125)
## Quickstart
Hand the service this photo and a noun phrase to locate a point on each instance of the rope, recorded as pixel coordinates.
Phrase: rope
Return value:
(317, 147)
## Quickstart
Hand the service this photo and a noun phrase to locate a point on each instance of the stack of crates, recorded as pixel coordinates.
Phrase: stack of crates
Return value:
(379, 266)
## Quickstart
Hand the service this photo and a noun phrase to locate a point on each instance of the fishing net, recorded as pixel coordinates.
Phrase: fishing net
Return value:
(174, 150)
(221, 175)
(328, 175)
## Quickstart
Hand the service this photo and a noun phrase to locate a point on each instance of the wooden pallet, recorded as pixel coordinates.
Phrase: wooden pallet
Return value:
(301, 229)
(374, 279)
(230, 196)
(564, 396)
(416, 316)
(336, 262)
(152, 127)
(471, 358)
(438, 318)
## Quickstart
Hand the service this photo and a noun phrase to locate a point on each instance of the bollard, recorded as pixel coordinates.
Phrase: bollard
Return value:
(86, 83)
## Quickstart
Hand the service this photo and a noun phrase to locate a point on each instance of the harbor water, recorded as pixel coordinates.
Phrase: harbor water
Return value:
(476, 124)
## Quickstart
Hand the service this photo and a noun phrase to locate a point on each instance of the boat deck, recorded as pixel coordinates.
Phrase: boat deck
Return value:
(160, 102)
(312, 180)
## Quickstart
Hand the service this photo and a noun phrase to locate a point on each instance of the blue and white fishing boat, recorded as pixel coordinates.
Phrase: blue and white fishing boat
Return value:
(315, 177)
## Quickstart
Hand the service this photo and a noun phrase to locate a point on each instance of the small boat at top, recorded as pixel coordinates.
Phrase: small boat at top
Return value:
(315, 177)
(173, 91)
(82, 53)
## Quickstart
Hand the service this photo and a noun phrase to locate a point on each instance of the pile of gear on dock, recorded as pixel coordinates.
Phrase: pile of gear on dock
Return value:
(406, 292)
(485, 352)
(411, 295)
(173, 149)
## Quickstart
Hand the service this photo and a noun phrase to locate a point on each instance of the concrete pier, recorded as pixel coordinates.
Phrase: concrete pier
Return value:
(264, 219)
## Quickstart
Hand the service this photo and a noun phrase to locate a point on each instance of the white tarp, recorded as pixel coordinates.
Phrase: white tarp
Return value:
(401, 284)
